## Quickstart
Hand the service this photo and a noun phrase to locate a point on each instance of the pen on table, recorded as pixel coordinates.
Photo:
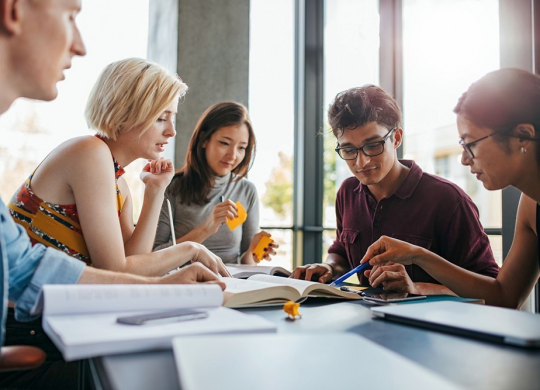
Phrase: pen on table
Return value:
(221, 200)
(347, 289)
(171, 222)
(349, 274)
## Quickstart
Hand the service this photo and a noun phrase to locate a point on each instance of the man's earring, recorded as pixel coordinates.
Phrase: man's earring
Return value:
(523, 150)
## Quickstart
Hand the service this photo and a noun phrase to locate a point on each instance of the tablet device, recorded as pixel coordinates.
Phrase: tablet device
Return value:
(392, 297)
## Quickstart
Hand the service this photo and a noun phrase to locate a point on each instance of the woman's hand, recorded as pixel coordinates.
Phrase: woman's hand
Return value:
(387, 249)
(191, 274)
(269, 250)
(157, 173)
(392, 277)
(222, 211)
(202, 255)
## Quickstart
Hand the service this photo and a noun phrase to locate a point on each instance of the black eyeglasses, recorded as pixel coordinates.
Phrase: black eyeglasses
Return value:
(467, 145)
(371, 150)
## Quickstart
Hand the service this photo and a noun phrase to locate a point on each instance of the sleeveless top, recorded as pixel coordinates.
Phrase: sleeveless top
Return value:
(538, 234)
(55, 225)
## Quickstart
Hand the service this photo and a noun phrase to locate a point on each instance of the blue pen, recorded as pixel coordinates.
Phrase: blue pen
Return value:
(341, 279)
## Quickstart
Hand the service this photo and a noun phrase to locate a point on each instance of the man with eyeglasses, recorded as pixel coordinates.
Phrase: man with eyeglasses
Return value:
(395, 198)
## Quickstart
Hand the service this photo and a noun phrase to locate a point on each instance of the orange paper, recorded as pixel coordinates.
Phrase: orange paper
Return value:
(242, 216)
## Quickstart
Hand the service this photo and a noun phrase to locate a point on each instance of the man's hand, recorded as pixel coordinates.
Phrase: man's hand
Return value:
(391, 276)
(192, 274)
(321, 272)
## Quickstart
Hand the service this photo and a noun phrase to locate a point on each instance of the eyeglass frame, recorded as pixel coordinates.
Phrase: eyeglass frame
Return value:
(467, 145)
(382, 142)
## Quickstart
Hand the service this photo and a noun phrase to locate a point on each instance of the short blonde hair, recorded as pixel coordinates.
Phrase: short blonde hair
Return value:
(131, 93)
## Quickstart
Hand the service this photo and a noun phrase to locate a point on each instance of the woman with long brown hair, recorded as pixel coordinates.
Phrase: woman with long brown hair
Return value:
(204, 191)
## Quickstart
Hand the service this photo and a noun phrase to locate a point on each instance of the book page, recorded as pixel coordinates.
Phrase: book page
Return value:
(244, 270)
(300, 285)
(240, 285)
(242, 292)
(305, 287)
(106, 298)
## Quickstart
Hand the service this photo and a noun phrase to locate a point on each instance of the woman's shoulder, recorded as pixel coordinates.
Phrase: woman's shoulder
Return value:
(527, 211)
(84, 146)
(83, 153)
(243, 184)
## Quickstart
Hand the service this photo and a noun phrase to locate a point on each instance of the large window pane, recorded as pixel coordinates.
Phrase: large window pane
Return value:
(351, 59)
(447, 45)
(35, 128)
(271, 106)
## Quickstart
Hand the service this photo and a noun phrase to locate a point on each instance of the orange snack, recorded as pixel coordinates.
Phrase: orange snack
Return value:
(291, 308)
(258, 252)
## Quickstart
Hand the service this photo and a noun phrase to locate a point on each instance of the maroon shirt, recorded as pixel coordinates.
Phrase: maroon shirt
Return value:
(425, 210)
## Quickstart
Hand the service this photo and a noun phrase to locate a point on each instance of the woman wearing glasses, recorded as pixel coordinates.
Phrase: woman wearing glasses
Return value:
(393, 197)
(498, 122)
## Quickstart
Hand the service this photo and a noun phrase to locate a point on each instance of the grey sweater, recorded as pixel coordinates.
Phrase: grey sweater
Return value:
(227, 244)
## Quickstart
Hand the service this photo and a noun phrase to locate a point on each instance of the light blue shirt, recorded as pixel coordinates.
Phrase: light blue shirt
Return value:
(26, 268)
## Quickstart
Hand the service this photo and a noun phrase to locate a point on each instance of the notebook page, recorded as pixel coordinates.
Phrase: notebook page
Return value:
(106, 298)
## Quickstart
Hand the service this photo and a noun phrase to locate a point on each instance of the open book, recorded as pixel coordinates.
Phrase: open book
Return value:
(260, 290)
(81, 320)
(242, 271)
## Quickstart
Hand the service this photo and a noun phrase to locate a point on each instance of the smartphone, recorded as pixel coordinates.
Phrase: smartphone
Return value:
(163, 317)
(393, 297)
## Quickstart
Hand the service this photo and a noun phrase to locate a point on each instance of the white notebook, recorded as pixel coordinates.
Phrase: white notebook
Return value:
(296, 361)
(81, 320)
(489, 323)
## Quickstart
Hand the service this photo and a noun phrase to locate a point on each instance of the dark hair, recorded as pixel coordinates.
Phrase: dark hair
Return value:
(195, 180)
(501, 100)
(361, 105)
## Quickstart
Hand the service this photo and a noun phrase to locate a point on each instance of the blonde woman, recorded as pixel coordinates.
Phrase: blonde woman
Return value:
(77, 201)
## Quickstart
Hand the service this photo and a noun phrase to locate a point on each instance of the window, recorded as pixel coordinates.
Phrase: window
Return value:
(271, 107)
(447, 44)
(351, 59)
(35, 128)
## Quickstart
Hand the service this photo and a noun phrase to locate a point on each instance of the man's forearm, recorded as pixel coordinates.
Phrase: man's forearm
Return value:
(338, 263)
(92, 275)
(432, 289)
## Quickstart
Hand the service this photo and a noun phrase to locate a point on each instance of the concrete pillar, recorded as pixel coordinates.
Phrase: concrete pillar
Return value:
(213, 59)
(163, 40)
(207, 43)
